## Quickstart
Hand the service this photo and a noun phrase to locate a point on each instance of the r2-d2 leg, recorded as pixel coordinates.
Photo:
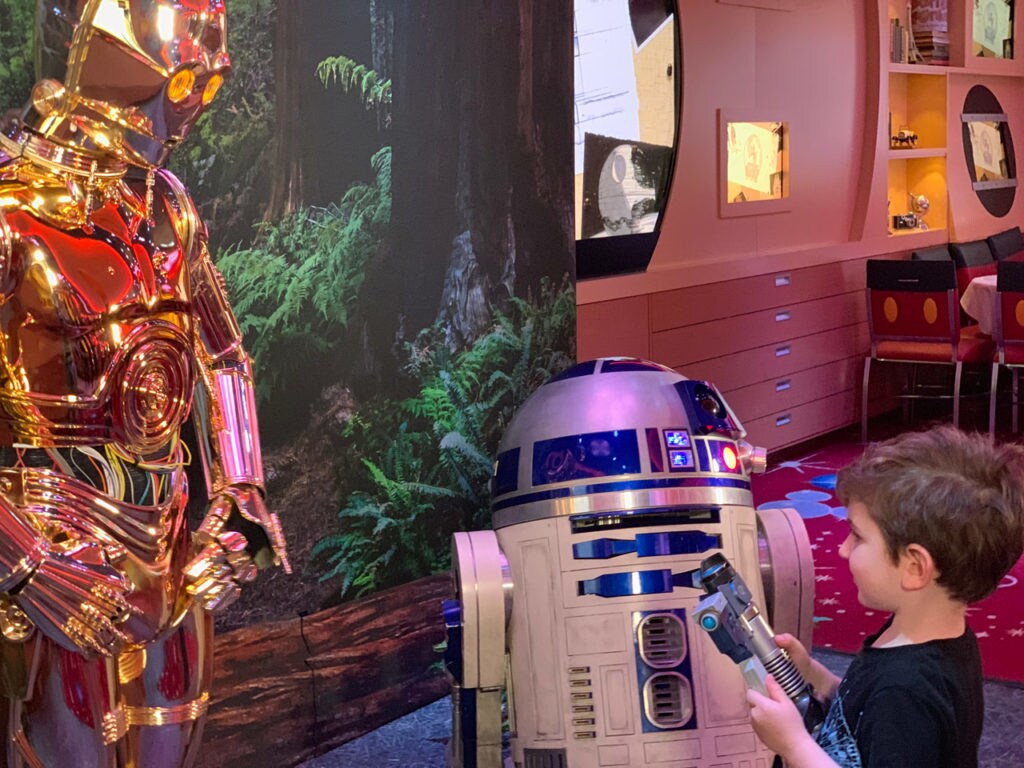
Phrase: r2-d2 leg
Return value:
(476, 656)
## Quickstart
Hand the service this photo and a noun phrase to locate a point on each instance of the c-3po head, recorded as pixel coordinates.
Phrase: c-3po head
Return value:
(125, 78)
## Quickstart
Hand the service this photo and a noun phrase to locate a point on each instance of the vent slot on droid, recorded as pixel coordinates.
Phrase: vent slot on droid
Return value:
(668, 700)
(662, 640)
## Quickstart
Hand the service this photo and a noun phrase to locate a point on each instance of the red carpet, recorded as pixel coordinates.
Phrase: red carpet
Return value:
(841, 623)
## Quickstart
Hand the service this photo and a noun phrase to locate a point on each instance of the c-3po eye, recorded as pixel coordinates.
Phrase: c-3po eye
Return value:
(212, 86)
(181, 85)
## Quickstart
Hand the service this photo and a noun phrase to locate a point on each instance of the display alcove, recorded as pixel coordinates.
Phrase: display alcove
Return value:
(988, 149)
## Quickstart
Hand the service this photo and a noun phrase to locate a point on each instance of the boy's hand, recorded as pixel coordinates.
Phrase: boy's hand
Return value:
(776, 720)
(779, 726)
(821, 679)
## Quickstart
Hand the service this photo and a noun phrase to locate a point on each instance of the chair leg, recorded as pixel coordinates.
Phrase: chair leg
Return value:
(864, 401)
(956, 395)
(1014, 399)
(992, 401)
(910, 404)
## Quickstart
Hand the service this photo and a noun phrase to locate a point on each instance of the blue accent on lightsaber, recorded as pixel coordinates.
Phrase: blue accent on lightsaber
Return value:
(623, 485)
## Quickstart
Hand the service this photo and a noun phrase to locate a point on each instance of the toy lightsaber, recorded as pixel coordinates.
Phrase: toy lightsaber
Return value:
(729, 614)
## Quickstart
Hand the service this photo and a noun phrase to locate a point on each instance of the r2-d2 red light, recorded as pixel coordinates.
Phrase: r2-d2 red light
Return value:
(614, 481)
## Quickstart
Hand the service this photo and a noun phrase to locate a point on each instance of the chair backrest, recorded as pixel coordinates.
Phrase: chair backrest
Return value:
(972, 259)
(972, 254)
(1009, 324)
(912, 301)
(1006, 244)
(935, 253)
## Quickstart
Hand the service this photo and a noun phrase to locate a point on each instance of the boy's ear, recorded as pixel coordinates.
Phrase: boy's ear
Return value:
(917, 567)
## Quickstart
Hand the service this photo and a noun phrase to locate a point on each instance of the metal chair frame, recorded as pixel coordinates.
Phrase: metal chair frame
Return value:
(1010, 279)
(950, 334)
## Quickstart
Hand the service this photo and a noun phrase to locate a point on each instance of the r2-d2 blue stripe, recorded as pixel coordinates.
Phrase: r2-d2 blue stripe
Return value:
(648, 545)
(630, 583)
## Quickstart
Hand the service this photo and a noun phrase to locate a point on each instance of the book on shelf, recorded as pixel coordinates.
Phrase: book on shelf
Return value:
(899, 42)
(933, 45)
(929, 15)
(929, 23)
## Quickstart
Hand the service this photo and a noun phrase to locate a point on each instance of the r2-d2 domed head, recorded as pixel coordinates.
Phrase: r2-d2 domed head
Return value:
(126, 77)
(618, 433)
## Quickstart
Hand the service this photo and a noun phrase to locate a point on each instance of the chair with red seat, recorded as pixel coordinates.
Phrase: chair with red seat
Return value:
(1008, 334)
(914, 317)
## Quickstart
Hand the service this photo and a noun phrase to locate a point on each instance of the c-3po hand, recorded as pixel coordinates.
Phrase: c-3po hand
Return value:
(221, 563)
(77, 599)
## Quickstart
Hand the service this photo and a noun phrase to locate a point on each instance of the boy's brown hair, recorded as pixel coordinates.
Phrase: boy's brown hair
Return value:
(955, 494)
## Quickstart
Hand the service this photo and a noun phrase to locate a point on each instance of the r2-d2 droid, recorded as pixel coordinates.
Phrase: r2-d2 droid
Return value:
(614, 482)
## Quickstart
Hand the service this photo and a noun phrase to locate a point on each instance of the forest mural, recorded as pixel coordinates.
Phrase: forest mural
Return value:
(388, 190)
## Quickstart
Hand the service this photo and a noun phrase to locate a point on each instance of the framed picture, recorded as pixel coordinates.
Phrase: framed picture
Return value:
(754, 153)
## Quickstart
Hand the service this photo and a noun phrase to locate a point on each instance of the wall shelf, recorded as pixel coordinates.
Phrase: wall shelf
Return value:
(922, 69)
(912, 154)
(920, 238)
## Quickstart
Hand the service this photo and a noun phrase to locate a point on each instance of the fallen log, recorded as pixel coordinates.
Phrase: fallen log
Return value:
(288, 690)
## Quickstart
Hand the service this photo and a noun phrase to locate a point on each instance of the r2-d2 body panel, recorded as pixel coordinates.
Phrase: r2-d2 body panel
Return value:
(612, 483)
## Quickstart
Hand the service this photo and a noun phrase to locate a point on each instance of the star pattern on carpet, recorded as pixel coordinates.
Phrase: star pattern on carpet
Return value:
(801, 464)
(840, 621)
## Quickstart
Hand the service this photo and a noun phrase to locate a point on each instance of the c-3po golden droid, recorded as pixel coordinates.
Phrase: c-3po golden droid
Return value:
(114, 329)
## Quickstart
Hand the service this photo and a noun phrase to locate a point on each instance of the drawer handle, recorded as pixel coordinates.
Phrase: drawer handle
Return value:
(781, 421)
(781, 281)
(781, 317)
(782, 351)
(783, 385)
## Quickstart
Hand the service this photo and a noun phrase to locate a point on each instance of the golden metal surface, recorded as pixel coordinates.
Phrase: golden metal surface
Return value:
(130, 665)
(15, 626)
(112, 61)
(111, 314)
(114, 726)
(182, 713)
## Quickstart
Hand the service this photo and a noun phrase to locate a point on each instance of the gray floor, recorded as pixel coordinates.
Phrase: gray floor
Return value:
(419, 740)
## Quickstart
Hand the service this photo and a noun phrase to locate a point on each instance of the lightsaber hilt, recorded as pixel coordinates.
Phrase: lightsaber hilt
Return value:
(739, 630)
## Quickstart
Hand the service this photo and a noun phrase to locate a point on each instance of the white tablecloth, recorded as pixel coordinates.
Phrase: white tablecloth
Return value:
(979, 301)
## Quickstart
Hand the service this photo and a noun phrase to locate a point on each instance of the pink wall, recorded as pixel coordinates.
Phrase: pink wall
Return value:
(818, 68)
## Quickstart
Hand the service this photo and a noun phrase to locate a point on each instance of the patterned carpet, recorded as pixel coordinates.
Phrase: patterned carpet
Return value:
(807, 484)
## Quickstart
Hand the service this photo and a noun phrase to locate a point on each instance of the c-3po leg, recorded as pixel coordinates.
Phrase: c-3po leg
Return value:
(144, 708)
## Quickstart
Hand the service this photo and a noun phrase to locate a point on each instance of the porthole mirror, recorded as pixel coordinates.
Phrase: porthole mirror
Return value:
(626, 115)
(988, 149)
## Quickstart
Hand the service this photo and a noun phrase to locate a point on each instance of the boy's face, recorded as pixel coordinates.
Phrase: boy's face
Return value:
(876, 576)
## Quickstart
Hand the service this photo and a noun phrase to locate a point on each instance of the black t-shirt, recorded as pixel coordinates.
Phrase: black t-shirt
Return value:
(910, 706)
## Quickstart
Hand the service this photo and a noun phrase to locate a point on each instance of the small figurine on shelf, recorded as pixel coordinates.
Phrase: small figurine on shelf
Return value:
(919, 204)
(904, 138)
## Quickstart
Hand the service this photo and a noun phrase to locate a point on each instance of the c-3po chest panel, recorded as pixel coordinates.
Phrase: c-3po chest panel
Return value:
(96, 329)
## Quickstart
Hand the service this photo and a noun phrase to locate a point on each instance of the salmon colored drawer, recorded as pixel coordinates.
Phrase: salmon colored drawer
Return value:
(777, 360)
(685, 306)
(791, 390)
(723, 337)
(802, 422)
(617, 328)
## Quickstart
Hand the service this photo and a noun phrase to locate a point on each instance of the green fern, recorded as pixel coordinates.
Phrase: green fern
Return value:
(373, 91)
(429, 457)
(295, 288)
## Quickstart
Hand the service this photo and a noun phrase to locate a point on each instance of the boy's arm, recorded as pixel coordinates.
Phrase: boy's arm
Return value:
(780, 727)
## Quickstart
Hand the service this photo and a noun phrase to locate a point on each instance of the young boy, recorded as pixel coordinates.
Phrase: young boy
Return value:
(936, 521)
